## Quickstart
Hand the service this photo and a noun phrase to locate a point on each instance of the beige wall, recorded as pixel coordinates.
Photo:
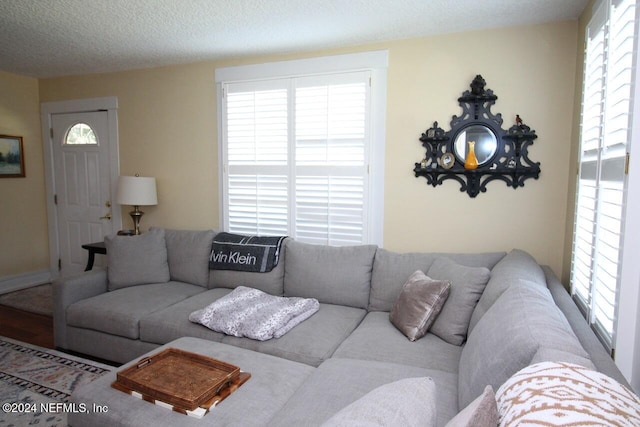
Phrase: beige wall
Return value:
(23, 218)
(532, 71)
(167, 129)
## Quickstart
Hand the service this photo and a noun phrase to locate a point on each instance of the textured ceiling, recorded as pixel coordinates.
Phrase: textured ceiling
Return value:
(46, 38)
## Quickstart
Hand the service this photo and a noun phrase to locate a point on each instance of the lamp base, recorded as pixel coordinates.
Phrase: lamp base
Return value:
(136, 214)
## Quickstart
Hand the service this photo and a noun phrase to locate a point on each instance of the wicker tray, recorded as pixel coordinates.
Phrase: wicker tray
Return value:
(179, 378)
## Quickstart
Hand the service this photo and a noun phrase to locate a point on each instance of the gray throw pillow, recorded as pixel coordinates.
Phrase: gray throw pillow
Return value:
(137, 260)
(482, 412)
(418, 305)
(408, 402)
(467, 285)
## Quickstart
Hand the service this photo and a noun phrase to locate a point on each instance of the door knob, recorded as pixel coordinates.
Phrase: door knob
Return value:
(107, 216)
(108, 203)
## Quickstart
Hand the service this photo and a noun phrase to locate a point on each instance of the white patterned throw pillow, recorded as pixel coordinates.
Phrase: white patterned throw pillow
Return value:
(560, 394)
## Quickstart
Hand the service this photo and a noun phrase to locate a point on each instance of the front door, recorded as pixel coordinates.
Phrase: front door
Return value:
(82, 185)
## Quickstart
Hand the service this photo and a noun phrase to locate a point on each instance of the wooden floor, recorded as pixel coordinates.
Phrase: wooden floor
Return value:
(26, 327)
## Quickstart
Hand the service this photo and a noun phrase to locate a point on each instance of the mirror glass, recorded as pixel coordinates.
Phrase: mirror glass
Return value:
(486, 143)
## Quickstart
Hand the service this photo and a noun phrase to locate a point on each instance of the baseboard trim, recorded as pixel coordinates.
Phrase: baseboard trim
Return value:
(23, 281)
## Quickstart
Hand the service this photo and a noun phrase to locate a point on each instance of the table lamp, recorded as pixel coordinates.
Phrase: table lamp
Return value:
(136, 191)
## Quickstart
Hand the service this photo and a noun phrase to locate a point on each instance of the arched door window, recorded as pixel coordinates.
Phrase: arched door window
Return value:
(80, 134)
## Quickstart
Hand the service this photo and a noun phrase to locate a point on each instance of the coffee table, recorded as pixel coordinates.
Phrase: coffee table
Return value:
(273, 381)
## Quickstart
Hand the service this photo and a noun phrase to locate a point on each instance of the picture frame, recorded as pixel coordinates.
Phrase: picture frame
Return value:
(447, 160)
(11, 157)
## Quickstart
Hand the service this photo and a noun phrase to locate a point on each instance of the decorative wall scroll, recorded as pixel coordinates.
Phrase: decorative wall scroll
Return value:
(477, 150)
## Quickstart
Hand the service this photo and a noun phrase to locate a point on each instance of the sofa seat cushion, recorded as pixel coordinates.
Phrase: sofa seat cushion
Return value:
(507, 338)
(392, 269)
(119, 312)
(172, 322)
(331, 274)
(377, 339)
(273, 381)
(312, 341)
(339, 382)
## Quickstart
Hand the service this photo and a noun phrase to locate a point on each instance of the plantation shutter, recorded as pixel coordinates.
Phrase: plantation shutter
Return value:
(257, 180)
(331, 159)
(297, 154)
(605, 132)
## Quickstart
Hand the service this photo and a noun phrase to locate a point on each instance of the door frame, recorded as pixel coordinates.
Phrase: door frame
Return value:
(47, 109)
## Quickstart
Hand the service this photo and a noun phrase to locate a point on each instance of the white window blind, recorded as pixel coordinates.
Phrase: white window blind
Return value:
(605, 132)
(296, 156)
(257, 156)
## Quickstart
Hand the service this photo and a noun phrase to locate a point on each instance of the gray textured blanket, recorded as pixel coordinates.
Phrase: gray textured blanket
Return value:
(248, 312)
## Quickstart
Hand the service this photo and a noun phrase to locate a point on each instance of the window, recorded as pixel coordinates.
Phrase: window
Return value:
(301, 152)
(80, 134)
(604, 142)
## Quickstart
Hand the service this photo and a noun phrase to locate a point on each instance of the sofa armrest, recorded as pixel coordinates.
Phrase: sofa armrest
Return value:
(69, 290)
(590, 342)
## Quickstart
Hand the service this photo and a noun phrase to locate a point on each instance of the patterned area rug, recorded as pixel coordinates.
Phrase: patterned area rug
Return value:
(35, 383)
(38, 299)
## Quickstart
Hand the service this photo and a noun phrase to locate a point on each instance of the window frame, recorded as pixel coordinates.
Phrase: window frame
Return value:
(374, 62)
(600, 22)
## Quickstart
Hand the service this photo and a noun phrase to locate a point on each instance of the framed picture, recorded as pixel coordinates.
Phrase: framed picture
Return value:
(11, 157)
(447, 160)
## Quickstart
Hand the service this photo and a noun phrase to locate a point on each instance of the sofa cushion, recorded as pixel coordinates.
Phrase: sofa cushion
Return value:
(377, 339)
(339, 382)
(188, 255)
(546, 354)
(560, 394)
(516, 267)
(137, 260)
(119, 312)
(407, 402)
(390, 272)
(508, 336)
(392, 269)
(312, 341)
(172, 322)
(418, 305)
(482, 412)
(331, 274)
(467, 284)
(271, 282)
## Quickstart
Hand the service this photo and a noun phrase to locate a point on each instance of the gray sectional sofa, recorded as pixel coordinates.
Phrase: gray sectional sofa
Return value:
(504, 312)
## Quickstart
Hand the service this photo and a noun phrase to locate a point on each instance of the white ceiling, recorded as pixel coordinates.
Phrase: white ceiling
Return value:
(47, 38)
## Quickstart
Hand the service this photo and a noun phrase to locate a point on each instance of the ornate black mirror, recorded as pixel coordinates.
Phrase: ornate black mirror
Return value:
(477, 150)
(485, 143)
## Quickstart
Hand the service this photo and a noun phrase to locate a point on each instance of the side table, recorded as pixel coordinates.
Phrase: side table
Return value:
(94, 248)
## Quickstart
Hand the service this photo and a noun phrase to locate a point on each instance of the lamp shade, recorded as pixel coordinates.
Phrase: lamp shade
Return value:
(136, 191)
